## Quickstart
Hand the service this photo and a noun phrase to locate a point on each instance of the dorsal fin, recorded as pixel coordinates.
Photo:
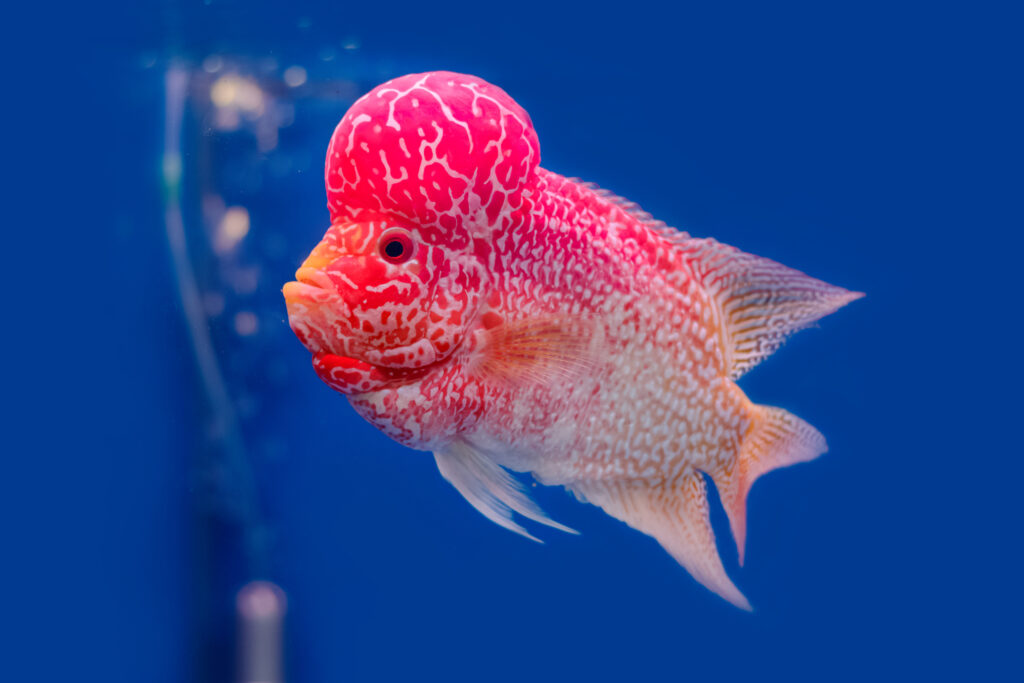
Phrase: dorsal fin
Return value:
(760, 302)
(489, 488)
(630, 207)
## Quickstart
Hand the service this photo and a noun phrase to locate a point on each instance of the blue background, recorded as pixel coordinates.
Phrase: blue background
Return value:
(873, 145)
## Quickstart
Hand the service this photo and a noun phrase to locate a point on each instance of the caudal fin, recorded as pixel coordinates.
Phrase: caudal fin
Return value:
(776, 439)
(676, 514)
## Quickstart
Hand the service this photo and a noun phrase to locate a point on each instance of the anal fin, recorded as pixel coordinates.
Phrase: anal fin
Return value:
(676, 515)
(494, 492)
(776, 439)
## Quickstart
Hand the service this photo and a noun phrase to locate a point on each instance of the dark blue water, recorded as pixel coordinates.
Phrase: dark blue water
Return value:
(875, 146)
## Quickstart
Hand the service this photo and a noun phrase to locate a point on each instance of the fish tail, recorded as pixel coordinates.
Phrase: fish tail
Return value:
(776, 439)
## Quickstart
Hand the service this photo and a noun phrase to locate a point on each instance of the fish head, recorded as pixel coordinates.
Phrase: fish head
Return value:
(421, 174)
(377, 303)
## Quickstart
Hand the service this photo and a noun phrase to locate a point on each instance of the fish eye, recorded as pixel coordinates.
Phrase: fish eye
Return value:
(395, 245)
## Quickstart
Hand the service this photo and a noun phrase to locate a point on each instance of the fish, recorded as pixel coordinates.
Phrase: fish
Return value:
(507, 319)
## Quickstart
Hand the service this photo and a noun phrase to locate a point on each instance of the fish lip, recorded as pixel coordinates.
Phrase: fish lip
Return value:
(295, 292)
(341, 359)
(311, 285)
(374, 377)
(314, 277)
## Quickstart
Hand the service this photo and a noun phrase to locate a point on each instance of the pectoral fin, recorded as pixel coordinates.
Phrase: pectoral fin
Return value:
(490, 489)
(676, 514)
(539, 350)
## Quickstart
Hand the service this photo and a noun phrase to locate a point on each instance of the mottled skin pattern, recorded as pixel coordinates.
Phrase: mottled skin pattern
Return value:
(534, 322)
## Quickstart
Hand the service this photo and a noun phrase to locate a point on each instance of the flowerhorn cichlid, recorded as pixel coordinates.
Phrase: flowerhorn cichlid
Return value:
(472, 304)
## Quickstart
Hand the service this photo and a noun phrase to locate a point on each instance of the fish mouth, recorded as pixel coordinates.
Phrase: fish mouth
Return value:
(326, 362)
(313, 306)
(316, 314)
(310, 286)
(314, 277)
(353, 377)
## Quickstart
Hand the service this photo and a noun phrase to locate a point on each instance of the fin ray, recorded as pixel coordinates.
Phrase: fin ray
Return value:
(489, 488)
(539, 349)
(676, 515)
(631, 208)
(760, 302)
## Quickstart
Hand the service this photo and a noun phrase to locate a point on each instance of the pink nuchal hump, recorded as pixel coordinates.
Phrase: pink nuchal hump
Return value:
(432, 148)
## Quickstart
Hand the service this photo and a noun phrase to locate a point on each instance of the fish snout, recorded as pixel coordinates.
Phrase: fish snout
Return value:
(311, 285)
(299, 295)
(315, 310)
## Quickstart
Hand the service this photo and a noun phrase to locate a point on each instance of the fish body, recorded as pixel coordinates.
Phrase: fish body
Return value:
(503, 317)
